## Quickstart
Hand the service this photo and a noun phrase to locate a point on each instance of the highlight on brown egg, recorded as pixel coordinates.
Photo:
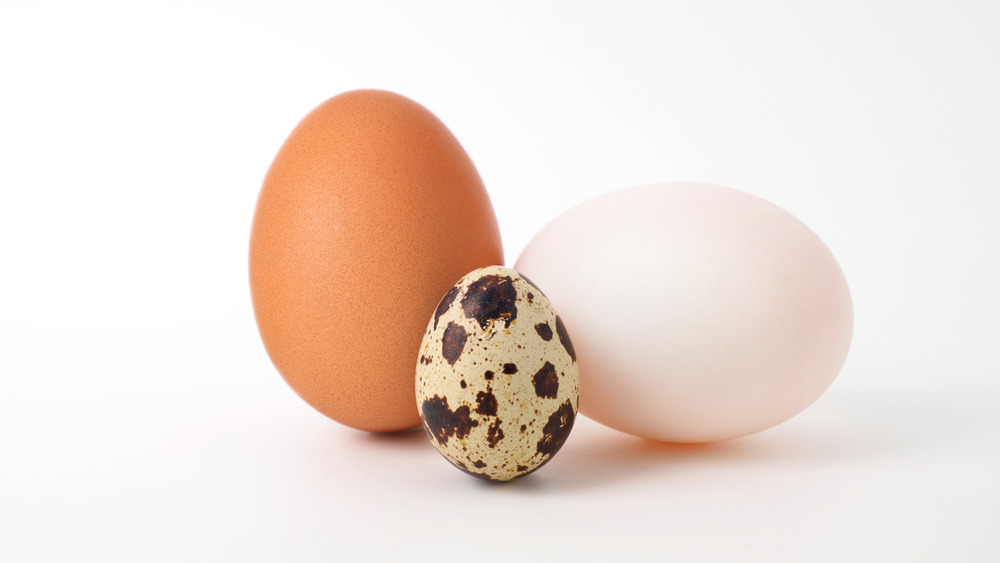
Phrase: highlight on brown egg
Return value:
(369, 213)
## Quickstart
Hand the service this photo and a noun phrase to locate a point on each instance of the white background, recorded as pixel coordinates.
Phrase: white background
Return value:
(140, 418)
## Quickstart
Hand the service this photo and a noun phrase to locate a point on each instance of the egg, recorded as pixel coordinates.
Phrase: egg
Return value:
(369, 212)
(496, 378)
(699, 312)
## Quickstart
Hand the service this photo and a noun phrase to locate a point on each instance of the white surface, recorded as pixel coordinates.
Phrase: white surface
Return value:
(141, 420)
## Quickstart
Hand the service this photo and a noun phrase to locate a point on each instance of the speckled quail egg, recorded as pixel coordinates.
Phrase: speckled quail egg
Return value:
(497, 381)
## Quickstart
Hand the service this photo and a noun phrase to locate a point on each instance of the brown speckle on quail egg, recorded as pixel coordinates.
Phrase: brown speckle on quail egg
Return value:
(497, 381)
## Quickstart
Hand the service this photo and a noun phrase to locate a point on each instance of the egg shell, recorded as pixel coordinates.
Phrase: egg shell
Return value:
(496, 379)
(369, 212)
(700, 312)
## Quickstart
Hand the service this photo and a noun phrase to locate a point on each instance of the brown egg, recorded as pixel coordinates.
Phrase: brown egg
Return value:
(369, 213)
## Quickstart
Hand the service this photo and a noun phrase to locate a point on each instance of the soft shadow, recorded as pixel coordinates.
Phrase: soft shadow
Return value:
(412, 439)
(842, 428)
(604, 457)
(846, 428)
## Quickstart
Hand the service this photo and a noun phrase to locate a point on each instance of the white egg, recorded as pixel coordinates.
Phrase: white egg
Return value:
(699, 312)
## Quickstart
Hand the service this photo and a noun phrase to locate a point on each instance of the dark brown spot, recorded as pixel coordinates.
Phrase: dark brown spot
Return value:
(556, 430)
(532, 284)
(443, 305)
(453, 342)
(524, 427)
(546, 382)
(494, 434)
(564, 337)
(544, 330)
(521, 468)
(491, 298)
(462, 384)
(441, 422)
(479, 464)
(465, 469)
(462, 465)
(509, 369)
(488, 375)
(531, 297)
(425, 360)
(487, 403)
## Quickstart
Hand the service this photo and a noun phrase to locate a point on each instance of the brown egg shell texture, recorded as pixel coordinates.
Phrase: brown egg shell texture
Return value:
(369, 213)
(497, 381)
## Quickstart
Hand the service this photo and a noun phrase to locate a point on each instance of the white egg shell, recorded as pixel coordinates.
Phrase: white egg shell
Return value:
(699, 312)
(497, 382)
